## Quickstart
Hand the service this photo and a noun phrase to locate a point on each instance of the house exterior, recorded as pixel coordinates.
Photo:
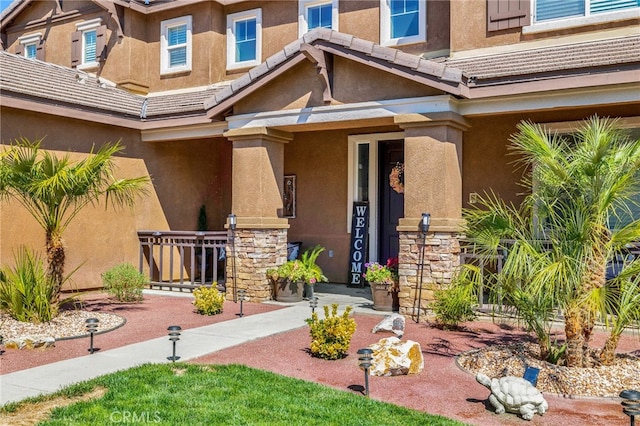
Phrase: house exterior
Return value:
(218, 101)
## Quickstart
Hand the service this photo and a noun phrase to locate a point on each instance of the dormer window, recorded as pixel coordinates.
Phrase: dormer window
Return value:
(403, 22)
(88, 44)
(244, 39)
(317, 14)
(176, 45)
(31, 46)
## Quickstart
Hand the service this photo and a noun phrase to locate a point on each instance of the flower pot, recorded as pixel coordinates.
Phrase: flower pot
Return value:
(288, 291)
(308, 291)
(383, 299)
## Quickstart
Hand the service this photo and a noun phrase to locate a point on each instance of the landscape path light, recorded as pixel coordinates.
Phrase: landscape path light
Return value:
(313, 302)
(91, 325)
(365, 357)
(232, 226)
(631, 404)
(242, 297)
(424, 228)
(174, 336)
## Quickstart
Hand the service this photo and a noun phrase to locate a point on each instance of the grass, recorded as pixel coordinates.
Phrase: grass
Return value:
(185, 394)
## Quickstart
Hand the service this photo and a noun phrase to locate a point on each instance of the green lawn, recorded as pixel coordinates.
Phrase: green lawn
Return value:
(185, 394)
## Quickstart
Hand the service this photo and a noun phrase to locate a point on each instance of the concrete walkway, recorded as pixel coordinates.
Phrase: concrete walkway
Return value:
(193, 343)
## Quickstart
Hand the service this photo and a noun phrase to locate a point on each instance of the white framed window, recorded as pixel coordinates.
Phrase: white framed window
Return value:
(553, 14)
(175, 45)
(244, 39)
(403, 22)
(86, 37)
(29, 45)
(317, 14)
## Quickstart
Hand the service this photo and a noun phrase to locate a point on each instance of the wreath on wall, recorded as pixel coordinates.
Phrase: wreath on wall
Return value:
(396, 178)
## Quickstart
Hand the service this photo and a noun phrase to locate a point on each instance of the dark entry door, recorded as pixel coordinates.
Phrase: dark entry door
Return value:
(390, 153)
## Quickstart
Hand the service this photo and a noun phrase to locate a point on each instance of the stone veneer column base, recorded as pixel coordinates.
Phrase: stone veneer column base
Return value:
(441, 259)
(256, 250)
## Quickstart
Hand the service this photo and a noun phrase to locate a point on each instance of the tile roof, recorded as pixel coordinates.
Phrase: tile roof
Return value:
(556, 59)
(191, 101)
(64, 86)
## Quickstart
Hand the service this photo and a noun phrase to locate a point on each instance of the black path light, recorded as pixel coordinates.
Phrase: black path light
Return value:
(631, 404)
(174, 336)
(313, 302)
(242, 297)
(365, 357)
(424, 228)
(91, 325)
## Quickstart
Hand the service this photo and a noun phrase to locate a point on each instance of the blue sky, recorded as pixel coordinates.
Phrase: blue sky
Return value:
(4, 4)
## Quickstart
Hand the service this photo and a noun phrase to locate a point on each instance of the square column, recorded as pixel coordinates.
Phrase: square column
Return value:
(433, 184)
(260, 237)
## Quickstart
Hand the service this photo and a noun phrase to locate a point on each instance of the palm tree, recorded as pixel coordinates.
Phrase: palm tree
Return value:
(54, 190)
(560, 239)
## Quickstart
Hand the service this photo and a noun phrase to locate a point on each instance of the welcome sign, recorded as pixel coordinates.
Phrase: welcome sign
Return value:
(359, 236)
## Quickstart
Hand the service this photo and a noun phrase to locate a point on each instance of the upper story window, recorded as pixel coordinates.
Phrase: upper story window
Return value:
(402, 22)
(31, 46)
(244, 39)
(175, 45)
(553, 14)
(317, 14)
(88, 44)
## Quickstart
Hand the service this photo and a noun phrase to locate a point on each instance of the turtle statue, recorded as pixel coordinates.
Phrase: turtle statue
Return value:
(514, 395)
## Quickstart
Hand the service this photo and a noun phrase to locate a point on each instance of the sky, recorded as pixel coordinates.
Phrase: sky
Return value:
(4, 4)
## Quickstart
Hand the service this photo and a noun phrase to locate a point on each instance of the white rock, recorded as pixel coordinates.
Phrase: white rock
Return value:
(393, 323)
(393, 357)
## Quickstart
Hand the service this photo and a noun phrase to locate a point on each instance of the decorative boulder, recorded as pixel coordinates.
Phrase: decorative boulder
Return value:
(514, 395)
(393, 357)
(30, 342)
(393, 323)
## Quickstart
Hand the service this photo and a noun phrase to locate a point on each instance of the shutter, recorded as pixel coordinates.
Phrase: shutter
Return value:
(506, 14)
(101, 43)
(20, 49)
(40, 51)
(76, 48)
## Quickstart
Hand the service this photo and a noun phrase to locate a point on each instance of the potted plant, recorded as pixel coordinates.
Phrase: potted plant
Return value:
(314, 273)
(383, 280)
(290, 278)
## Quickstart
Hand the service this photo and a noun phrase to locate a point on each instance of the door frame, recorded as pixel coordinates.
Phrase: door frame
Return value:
(372, 140)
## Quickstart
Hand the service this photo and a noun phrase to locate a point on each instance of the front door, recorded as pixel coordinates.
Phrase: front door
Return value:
(391, 200)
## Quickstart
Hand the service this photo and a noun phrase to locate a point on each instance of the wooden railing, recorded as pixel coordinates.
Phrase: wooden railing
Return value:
(183, 259)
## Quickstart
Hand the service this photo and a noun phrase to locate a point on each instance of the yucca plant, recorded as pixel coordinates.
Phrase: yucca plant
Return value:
(26, 289)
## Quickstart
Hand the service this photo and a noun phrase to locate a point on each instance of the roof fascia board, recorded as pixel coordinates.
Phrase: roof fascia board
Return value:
(615, 77)
(407, 73)
(345, 112)
(254, 86)
(196, 131)
(62, 111)
(568, 98)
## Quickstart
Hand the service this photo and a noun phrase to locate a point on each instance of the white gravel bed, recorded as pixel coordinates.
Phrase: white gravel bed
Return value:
(599, 381)
(66, 325)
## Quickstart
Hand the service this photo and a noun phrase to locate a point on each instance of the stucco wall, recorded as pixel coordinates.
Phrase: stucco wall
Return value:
(185, 175)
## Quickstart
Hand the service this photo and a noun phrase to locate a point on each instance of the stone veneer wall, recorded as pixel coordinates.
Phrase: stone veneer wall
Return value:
(256, 250)
(441, 259)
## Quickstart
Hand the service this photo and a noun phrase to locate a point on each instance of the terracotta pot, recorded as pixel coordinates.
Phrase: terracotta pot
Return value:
(383, 299)
(288, 291)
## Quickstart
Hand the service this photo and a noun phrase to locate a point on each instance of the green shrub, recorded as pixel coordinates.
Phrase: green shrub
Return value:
(209, 301)
(331, 336)
(456, 303)
(26, 292)
(124, 282)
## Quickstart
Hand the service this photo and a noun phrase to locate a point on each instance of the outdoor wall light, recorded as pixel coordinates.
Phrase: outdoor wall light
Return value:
(174, 336)
(631, 404)
(365, 357)
(232, 221)
(313, 302)
(425, 222)
(91, 325)
(242, 297)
